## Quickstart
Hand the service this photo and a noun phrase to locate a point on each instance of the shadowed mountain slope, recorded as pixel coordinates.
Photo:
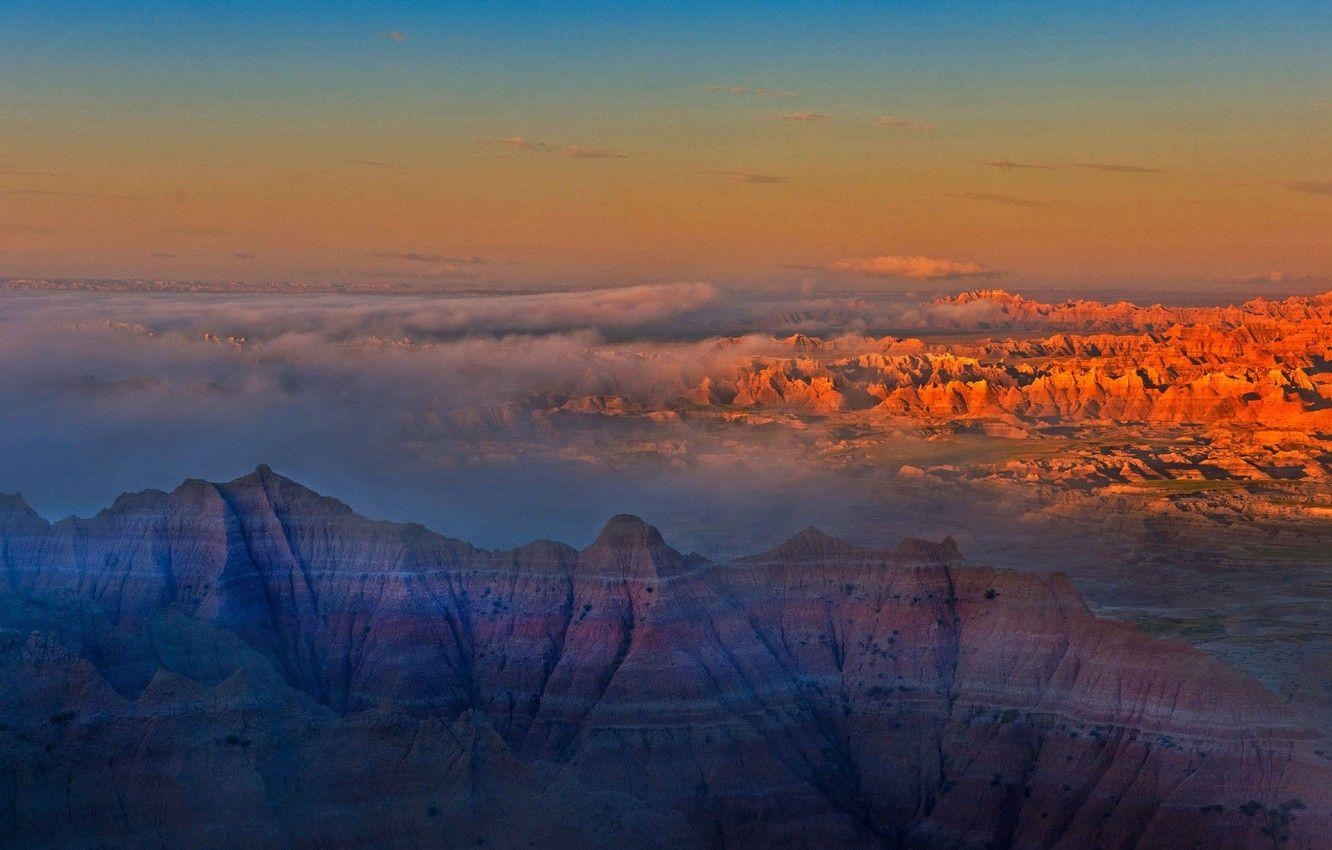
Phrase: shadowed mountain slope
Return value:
(256, 647)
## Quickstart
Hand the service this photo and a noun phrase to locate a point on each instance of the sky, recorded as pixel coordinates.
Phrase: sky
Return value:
(748, 145)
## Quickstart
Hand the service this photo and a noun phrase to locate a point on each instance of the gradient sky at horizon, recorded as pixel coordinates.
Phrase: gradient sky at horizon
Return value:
(477, 144)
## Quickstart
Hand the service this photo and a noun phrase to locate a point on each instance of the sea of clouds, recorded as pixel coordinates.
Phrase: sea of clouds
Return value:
(418, 407)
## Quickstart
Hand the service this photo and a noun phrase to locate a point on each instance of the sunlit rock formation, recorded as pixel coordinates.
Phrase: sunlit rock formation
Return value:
(1264, 362)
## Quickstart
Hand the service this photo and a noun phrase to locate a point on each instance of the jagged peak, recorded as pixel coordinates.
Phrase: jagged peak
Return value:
(284, 491)
(628, 546)
(814, 540)
(136, 500)
(811, 544)
(627, 529)
(993, 294)
(948, 544)
(13, 504)
(262, 474)
(813, 534)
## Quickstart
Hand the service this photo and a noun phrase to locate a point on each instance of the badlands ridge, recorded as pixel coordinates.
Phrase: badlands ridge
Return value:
(1245, 392)
(253, 664)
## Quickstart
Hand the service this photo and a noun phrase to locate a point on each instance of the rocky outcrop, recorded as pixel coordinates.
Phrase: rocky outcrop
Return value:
(1263, 363)
(801, 384)
(255, 647)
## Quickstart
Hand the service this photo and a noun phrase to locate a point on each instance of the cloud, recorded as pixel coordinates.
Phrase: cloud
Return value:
(19, 172)
(1279, 277)
(1310, 187)
(748, 90)
(1010, 165)
(420, 257)
(439, 409)
(396, 36)
(1119, 168)
(162, 255)
(803, 117)
(446, 271)
(428, 318)
(453, 432)
(897, 122)
(375, 163)
(18, 227)
(590, 152)
(242, 255)
(519, 143)
(436, 409)
(995, 198)
(913, 268)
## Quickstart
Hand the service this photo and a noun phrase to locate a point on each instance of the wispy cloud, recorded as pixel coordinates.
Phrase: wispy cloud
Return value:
(754, 91)
(396, 35)
(995, 198)
(422, 257)
(897, 122)
(519, 143)
(590, 152)
(242, 255)
(1010, 165)
(748, 177)
(913, 268)
(803, 117)
(1310, 187)
(11, 171)
(1280, 277)
(1119, 168)
(376, 163)
(448, 271)
(438, 272)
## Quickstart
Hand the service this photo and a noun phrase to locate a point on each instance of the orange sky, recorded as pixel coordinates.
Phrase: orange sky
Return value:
(406, 167)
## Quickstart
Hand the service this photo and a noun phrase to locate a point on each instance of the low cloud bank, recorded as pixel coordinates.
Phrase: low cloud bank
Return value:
(410, 408)
(349, 317)
(435, 408)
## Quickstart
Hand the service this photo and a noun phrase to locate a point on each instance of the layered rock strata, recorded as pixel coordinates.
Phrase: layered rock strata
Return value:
(251, 662)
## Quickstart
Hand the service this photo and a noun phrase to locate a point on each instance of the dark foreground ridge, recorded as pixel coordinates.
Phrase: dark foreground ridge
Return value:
(254, 664)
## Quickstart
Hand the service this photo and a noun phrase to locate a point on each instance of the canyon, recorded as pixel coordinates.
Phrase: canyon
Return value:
(253, 646)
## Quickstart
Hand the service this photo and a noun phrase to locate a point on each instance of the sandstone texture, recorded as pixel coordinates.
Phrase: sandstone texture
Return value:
(254, 664)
